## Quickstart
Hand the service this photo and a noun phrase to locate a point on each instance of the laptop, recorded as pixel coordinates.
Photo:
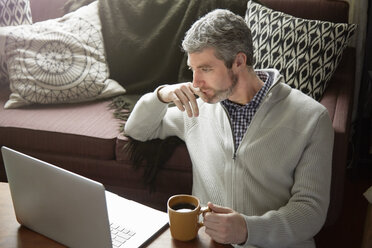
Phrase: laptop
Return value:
(74, 210)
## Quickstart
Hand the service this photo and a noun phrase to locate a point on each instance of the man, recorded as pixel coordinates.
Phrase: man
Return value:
(261, 151)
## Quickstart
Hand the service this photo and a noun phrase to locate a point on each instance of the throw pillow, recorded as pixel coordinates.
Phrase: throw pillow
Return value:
(306, 52)
(12, 13)
(15, 12)
(58, 61)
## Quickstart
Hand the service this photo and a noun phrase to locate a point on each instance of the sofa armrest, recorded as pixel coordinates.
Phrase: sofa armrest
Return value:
(338, 99)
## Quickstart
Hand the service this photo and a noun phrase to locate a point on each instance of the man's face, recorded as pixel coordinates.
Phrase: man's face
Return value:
(215, 81)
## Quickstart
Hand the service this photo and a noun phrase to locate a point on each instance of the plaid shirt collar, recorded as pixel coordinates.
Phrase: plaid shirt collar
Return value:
(242, 115)
(257, 99)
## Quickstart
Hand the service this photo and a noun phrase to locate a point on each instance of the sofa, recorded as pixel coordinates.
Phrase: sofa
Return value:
(85, 137)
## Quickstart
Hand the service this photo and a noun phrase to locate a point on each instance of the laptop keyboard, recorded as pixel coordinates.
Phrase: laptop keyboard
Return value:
(120, 234)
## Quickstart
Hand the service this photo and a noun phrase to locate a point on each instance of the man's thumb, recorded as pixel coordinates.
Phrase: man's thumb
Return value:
(219, 209)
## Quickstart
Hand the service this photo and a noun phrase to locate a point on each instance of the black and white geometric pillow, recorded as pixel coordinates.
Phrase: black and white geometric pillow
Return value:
(13, 13)
(58, 61)
(306, 52)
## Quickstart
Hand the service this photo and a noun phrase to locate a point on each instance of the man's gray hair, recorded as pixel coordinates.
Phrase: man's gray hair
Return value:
(224, 31)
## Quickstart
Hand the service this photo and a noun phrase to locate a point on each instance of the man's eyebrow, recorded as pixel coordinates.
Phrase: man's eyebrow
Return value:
(201, 66)
(204, 66)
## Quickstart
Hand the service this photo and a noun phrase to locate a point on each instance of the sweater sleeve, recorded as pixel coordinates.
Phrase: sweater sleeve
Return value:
(152, 119)
(305, 212)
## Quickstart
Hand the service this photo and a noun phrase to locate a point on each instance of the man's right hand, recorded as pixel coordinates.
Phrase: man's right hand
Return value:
(183, 96)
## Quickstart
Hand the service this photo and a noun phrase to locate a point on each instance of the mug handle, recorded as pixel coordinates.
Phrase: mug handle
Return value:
(203, 211)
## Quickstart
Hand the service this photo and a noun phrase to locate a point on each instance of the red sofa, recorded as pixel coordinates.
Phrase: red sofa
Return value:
(85, 137)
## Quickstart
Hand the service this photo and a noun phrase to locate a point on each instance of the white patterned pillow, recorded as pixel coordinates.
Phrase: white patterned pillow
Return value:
(58, 61)
(12, 13)
(306, 52)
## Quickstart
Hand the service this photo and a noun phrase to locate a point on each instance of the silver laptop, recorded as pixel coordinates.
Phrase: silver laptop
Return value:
(73, 210)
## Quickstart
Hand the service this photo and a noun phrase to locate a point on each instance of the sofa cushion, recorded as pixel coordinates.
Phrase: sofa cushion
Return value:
(58, 61)
(82, 129)
(306, 52)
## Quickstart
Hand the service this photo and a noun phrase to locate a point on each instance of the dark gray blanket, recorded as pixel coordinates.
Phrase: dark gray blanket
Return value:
(143, 50)
(143, 38)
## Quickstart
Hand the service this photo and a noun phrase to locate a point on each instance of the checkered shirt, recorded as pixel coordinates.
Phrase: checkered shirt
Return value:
(242, 115)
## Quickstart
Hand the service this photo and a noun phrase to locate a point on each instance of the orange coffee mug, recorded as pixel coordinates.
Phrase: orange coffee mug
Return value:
(184, 211)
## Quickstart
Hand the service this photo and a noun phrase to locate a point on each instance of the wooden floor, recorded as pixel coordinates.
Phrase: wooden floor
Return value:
(348, 230)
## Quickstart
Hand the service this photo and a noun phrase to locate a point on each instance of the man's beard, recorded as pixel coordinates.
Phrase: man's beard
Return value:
(220, 95)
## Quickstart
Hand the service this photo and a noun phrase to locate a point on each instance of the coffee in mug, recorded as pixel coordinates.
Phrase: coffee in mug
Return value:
(183, 207)
(184, 211)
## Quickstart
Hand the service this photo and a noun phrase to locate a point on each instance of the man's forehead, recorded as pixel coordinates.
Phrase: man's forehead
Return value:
(204, 58)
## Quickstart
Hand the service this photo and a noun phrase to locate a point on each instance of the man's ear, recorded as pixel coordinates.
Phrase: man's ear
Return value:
(240, 60)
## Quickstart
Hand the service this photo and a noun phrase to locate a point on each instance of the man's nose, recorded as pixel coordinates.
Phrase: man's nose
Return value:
(196, 79)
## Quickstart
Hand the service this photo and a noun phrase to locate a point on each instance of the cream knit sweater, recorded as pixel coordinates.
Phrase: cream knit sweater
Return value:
(279, 178)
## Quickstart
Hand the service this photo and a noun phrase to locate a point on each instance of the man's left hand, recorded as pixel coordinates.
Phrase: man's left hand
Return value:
(225, 225)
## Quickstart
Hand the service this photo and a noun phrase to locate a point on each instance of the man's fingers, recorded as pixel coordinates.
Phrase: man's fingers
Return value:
(192, 99)
(188, 100)
(224, 225)
(213, 218)
(219, 231)
(181, 95)
(178, 103)
(219, 209)
(196, 91)
(217, 235)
